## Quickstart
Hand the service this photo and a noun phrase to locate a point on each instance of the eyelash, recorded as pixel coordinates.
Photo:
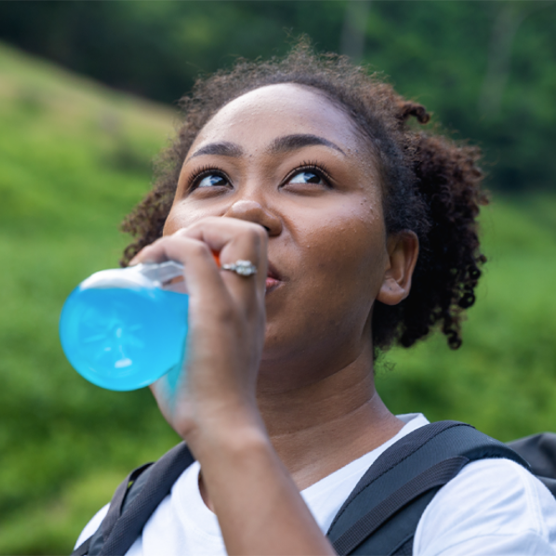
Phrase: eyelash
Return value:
(201, 173)
(315, 167)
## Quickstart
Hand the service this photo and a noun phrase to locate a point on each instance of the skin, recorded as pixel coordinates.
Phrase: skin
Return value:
(277, 390)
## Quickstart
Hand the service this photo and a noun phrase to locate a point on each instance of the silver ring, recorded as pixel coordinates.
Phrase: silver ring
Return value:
(243, 268)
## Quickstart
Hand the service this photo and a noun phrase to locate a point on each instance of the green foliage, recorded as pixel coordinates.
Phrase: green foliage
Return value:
(64, 186)
(73, 161)
(484, 68)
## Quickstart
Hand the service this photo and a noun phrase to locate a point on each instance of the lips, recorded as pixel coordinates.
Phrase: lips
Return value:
(273, 278)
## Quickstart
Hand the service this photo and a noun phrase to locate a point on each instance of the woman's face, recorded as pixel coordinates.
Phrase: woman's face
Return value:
(287, 158)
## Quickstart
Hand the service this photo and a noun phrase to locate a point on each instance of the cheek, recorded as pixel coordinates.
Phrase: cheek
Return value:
(170, 226)
(183, 215)
(342, 264)
(355, 241)
(349, 255)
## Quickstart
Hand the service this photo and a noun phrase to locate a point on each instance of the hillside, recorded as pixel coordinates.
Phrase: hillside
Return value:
(74, 159)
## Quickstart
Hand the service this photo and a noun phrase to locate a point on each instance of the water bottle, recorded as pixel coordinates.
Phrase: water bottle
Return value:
(122, 329)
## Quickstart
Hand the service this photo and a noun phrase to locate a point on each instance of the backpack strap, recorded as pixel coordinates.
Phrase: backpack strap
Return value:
(83, 548)
(139, 495)
(379, 517)
(381, 514)
(93, 544)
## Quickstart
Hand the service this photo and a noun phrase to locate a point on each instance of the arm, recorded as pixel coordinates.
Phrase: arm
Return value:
(212, 405)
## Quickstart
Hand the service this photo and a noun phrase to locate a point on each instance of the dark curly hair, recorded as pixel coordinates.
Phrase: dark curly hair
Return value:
(431, 184)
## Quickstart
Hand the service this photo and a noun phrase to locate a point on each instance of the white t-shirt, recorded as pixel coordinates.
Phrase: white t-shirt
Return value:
(493, 507)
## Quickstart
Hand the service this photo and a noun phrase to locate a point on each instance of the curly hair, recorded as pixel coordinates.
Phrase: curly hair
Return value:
(431, 184)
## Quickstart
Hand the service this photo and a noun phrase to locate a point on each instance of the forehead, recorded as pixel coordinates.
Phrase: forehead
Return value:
(259, 116)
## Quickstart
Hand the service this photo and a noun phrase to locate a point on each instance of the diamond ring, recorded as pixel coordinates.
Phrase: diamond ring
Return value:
(241, 267)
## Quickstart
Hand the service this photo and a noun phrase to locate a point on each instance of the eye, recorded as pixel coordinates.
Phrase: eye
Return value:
(306, 176)
(212, 180)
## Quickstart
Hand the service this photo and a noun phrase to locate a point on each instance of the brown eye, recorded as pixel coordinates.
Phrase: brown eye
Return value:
(213, 180)
(306, 177)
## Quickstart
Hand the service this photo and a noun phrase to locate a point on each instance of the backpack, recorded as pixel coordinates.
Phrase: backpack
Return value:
(380, 515)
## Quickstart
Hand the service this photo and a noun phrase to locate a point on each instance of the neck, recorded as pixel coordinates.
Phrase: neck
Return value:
(319, 427)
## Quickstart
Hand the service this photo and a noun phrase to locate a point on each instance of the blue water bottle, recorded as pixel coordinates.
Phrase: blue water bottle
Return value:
(122, 329)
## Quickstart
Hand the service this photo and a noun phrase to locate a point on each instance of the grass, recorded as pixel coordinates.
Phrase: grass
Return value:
(74, 159)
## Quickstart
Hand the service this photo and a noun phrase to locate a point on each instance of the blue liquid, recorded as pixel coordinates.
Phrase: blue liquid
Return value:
(124, 339)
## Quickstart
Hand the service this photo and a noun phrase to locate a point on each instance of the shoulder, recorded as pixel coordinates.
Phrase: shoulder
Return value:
(494, 507)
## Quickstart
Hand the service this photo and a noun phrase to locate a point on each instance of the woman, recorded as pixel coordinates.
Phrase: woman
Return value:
(362, 233)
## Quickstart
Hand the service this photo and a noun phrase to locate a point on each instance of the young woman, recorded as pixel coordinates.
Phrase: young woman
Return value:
(359, 231)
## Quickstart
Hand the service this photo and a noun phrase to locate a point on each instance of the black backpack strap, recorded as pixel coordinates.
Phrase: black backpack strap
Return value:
(134, 502)
(539, 450)
(381, 514)
(162, 476)
(83, 548)
(379, 517)
(93, 544)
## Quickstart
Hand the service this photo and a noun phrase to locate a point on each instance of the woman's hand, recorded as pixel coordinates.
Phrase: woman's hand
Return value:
(211, 401)
(215, 387)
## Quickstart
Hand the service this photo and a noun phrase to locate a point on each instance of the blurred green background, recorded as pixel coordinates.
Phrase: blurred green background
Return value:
(87, 91)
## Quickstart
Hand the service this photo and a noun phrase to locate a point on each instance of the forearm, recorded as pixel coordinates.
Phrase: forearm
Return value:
(258, 506)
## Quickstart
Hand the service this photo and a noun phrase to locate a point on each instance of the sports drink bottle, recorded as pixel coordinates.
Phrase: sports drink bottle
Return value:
(122, 329)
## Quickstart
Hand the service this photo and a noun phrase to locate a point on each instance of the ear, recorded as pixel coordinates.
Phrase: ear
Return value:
(403, 250)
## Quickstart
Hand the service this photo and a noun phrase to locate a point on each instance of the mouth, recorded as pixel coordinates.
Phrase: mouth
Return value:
(273, 278)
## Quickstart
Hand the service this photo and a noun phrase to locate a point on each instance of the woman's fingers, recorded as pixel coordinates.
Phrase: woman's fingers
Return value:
(233, 240)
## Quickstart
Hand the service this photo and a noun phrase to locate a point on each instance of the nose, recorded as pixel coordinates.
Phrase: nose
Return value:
(252, 211)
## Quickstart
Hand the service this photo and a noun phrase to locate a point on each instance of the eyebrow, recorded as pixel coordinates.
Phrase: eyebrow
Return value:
(293, 142)
(224, 148)
(280, 145)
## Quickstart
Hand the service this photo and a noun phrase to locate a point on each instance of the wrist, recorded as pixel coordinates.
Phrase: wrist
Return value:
(231, 432)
